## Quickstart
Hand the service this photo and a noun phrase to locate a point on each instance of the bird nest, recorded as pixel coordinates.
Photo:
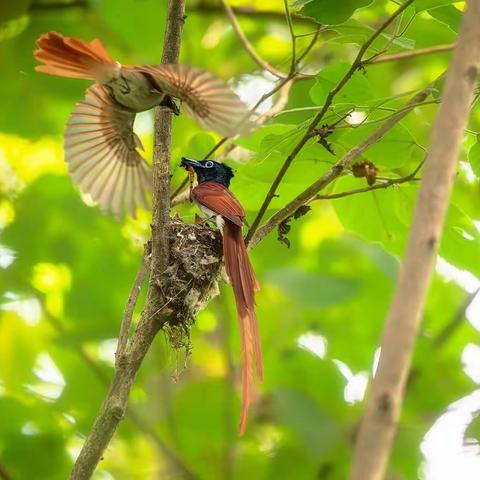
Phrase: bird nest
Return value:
(191, 279)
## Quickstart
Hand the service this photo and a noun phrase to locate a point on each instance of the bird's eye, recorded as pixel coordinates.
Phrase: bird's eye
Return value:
(209, 164)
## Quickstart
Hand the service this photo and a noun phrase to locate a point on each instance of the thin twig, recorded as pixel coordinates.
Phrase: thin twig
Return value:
(377, 186)
(379, 424)
(205, 7)
(393, 57)
(247, 45)
(357, 63)
(130, 308)
(337, 169)
(309, 47)
(293, 64)
(279, 86)
(451, 327)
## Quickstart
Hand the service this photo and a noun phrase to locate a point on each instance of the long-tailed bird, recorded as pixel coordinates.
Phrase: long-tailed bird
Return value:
(217, 202)
(100, 145)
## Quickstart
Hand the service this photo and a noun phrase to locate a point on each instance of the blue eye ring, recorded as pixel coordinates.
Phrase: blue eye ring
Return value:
(208, 164)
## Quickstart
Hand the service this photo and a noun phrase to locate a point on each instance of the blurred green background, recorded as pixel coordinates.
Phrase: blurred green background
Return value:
(66, 269)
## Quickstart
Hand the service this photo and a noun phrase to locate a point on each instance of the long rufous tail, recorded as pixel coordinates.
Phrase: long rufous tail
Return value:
(244, 285)
(74, 58)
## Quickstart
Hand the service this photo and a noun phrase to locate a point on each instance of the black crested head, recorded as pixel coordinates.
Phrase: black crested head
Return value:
(209, 171)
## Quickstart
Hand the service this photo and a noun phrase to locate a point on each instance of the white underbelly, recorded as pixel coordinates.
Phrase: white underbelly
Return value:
(211, 214)
(133, 90)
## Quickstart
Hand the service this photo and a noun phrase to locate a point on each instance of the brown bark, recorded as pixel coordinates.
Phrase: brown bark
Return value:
(128, 363)
(384, 403)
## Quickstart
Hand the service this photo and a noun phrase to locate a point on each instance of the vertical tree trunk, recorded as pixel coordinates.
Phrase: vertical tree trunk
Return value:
(115, 404)
(378, 427)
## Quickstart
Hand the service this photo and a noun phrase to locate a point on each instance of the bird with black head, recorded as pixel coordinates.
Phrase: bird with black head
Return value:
(213, 197)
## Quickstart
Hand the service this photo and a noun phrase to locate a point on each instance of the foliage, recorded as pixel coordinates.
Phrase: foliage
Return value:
(66, 269)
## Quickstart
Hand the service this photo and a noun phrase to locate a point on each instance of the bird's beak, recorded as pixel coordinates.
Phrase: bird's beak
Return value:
(187, 162)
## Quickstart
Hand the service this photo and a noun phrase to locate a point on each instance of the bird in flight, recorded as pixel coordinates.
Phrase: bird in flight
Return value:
(100, 144)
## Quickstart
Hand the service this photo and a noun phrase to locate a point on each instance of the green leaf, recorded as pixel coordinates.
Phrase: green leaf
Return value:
(356, 91)
(421, 5)
(449, 15)
(254, 141)
(374, 215)
(311, 289)
(474, 156)
(327, 12)
(199, 145)
(395, 149)
(318, 432)
(473, 429)
(14, 27)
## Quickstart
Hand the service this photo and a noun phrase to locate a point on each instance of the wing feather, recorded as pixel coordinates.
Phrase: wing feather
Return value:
(101, 152)
(206, 98)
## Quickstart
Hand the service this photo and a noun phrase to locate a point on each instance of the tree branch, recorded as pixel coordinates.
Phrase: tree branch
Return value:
(337, 170)
(293, 63)
(284, 85)
(130, 308)
(132, 414)
(451, 327)
(378, 427)
(247, 45)
(377, 186)
(412, 54)
(357, 63)
(246, 11)
(116, 401)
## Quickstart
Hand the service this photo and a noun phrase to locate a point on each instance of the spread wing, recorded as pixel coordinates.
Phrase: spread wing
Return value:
(101, 152)
(206, 98)
(220, 200)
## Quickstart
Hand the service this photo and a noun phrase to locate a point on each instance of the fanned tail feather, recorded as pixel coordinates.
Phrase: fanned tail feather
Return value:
(74, 58)
(244, 285)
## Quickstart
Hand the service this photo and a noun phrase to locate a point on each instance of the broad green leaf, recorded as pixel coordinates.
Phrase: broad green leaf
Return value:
(395, 149)
(421, 5)
(332, 13)
(357, 90)
(254, 141)
(449, 15)
(373, 215)
(313, 290)
(318, 432)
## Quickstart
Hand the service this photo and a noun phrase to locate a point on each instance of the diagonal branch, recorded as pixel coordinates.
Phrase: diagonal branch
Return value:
(247, 45)
(457, 320)
(378, 186)
(412, 53)
(175, 461)
(357, 63)
(379, 423)
(284, 85)
(338, 169)
(130, 308)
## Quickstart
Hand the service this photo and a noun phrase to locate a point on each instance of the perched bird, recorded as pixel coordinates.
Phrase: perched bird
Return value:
(217, 202)
(100, 145)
